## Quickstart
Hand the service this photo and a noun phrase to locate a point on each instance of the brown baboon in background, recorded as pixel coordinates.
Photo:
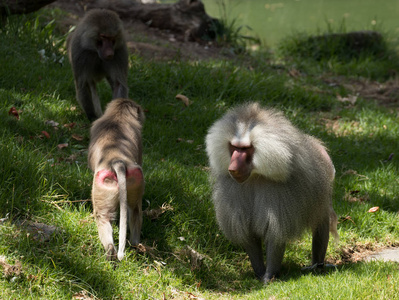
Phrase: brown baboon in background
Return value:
(115, 156)
(97, 49)
(271, 182)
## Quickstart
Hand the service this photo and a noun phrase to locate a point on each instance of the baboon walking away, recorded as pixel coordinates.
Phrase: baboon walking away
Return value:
(115, 157)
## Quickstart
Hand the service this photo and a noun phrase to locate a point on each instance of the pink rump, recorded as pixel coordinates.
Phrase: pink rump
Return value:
(105, 174)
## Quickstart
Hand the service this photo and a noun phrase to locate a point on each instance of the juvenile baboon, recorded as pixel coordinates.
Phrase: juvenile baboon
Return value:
(97, 49)
(270, 183)
(115, 157)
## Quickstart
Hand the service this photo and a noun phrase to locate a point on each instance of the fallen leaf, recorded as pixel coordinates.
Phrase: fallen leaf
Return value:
(70, 125)
(351, 99)
(155, 213)
(195, 258)
(77, 137)
(294, 73)
(183, 140)
(13, 111)
(146, 249)
(5, 218)
(32, 277)
(51, 123)
(183, 99)
(347, 218)
(62, 146)
(373, 209)
(46, 134)
(72, 157)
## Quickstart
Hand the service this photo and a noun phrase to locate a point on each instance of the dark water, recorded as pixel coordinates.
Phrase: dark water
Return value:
(273, 20)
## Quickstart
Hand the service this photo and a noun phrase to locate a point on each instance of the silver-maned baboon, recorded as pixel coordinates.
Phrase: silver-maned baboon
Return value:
(270, 183)
(97, 49)
(115, 156)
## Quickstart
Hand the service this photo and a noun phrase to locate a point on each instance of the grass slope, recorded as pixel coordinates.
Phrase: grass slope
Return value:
(49, 184)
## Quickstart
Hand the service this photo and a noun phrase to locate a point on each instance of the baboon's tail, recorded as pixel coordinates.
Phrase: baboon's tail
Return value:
(120, 170)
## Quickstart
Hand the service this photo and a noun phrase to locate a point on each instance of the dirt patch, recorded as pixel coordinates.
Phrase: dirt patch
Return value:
(10, 270)
(146, 41)
(367, 252)
(386, 93)
(355, 253)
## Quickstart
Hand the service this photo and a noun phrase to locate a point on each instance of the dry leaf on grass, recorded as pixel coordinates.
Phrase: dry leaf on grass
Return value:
(70, 125)
(374, 209)
(46, 134)
(155, 213)
(350, 98)
(294, 73)
(347, 218)
(179, 140)
(51, 123)
(77, 137)
(62, 146)
(13, 112)
(195, 258)
(183, 99)
(146, 249)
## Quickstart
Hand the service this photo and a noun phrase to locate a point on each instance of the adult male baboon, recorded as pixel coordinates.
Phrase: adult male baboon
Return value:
(271, 182)
(115, 156)
(97, 49)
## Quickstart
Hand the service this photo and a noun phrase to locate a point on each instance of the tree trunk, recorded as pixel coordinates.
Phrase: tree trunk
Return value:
(11, 7)
(186, 17)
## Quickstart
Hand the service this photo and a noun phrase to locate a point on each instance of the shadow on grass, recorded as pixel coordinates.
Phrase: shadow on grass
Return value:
(59, 262)
(354, 158)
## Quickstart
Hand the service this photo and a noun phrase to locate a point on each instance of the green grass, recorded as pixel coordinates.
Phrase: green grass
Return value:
(369, 55)
(43, 183)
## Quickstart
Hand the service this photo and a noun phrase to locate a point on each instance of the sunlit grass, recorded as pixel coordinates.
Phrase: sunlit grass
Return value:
(46, 183)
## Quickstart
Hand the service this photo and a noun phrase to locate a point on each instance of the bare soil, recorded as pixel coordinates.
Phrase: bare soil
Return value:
(385, 93)
(149, 42)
